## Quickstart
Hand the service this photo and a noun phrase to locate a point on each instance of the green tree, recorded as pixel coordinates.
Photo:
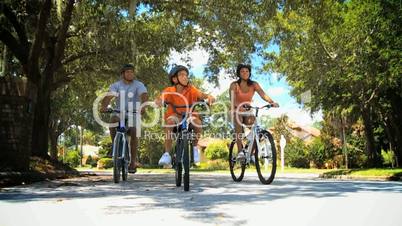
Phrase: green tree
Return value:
(345, 54)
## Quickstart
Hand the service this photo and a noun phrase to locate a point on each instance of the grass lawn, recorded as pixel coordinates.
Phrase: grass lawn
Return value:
(392, 174)
(375, 172)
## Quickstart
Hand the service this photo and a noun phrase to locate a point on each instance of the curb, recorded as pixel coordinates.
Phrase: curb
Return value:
(365, 178)
(17, 178)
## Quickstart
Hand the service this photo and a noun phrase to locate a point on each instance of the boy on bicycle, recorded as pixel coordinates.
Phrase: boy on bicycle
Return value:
(134, 92)
(180, 93)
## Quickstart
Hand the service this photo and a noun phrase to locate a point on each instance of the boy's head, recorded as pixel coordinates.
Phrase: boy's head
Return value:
(179, 75)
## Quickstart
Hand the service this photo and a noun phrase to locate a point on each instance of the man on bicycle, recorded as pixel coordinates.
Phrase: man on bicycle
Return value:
(133, 92)
(180, 93)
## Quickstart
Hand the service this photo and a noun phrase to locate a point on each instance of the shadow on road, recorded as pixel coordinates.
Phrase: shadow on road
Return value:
(207, 192)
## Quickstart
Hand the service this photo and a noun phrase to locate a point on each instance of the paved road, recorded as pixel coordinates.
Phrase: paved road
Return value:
(152, 199)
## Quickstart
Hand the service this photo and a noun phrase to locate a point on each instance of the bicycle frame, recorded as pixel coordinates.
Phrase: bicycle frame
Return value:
(255, 130)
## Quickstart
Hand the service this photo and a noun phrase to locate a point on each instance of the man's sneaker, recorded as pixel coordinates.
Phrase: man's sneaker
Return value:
(165, 159)
(132, 171)
(196, 156)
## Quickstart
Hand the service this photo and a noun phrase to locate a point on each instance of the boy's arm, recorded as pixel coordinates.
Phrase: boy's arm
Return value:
(162, 98)
(207, 97)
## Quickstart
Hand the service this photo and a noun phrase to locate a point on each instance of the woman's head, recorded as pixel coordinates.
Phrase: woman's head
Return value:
(243, 72)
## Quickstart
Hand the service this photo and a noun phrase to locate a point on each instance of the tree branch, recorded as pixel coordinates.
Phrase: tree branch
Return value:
(62, 35)
(77, 56)
(33, 60)
(19, 28)
(12, 43)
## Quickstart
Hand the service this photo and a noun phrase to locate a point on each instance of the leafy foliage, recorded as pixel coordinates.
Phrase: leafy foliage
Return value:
(296, 154)
(217, 150)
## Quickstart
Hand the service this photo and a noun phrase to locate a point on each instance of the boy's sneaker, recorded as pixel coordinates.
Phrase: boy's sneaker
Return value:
(165, 159)
(196, 156)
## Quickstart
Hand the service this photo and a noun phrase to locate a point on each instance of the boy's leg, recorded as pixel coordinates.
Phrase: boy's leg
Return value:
(171, 121)
(197, 126)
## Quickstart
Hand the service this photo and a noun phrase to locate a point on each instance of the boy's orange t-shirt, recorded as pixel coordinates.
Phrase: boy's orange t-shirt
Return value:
(188, 96)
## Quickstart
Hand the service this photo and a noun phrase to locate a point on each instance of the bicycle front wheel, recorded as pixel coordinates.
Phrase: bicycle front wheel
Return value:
(117, 150)
(237, 167)
(125, 162)
(265, 157)
(186, 164)
(178, 163)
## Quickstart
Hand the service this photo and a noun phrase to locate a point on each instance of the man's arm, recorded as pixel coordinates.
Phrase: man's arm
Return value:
(144, 98)
(105, 102)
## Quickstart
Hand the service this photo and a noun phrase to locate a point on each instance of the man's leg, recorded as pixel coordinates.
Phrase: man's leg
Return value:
(133, 148)
(112, 131)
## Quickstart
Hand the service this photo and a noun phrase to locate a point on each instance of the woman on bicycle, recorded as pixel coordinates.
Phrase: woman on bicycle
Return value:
(180, 93)
(241, 93)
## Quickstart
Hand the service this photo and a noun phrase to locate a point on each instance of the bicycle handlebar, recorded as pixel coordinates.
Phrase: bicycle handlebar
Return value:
(111, 110)
(185, 106)
(248, 107)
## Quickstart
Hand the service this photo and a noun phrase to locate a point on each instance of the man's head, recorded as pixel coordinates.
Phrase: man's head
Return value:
(127, 72)
(179, 75)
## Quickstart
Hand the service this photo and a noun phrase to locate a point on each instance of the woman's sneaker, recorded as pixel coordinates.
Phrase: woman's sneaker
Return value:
(165, 159)
(196, 156)
(241, 156)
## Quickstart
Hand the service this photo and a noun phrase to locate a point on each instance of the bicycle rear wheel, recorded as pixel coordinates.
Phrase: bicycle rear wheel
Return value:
(186, 164)
(237, 167)
(117, 150)
(265, 157)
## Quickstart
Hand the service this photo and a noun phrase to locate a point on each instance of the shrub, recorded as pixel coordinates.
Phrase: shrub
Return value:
(105, 163)
(317, 153)
(296, 154)
(72, 158)
(388, 158)
(92, 161)
(218, 164)
(217, 150)
(105, 147)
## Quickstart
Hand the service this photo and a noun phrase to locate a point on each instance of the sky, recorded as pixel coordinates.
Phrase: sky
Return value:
(273, 84)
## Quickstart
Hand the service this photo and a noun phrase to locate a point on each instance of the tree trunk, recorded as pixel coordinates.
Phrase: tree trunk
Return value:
(396, 123)
(6, 59)
(40, 136)
(396, 140)
(53, 137)
(372, 154)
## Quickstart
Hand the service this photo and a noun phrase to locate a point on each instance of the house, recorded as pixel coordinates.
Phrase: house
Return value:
(305, 133)
(202, 145)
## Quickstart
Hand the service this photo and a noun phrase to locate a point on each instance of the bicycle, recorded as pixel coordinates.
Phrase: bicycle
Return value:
(262, 149)
(183, 155)
(121, 153)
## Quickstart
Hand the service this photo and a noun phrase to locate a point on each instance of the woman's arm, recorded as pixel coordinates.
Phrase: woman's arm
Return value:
(264, 96)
